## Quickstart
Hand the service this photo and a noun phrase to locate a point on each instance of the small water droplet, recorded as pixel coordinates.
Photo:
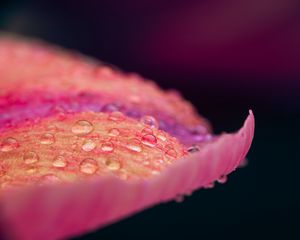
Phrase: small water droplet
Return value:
(155, 172)
(162, 137)
(149, 140)
(30, 157)
(47, 139)
(88, 166)
(31, 170)
(116, 116)
(209, 185)
(134, 145)
(59, 162)
(171, 153)
(110, 107)
(179, 198)
(150, 121)
(88, 145)
(9, 144)
(107, 147)
(193, 149)
(82, 127)
(113, 164)
(49, 178)
(222, 179)
(52, 128)
(114, 132)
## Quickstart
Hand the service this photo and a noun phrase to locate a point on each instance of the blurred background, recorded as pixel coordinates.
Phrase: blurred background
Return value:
(224, 56)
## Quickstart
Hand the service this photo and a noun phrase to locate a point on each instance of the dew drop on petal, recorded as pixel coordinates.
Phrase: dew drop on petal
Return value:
(209, 185)
(114, 132)
(30, 157)
(193, 149)
(179, 198)
(49, 178)
(113, 164)
(116, 116)
(149, 140)
(82, 127)
(9, 144)
(47, 139)
(134, 145)
(222, 179)
(88, 166)
(107, 147)
(150, 121)
(88, 145)
(59, 162)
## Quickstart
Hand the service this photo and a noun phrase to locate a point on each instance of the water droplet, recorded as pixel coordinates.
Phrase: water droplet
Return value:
(150, 121)
(155, 172)
(31, 170)
(162, 137)
(110, 107)
(30, 157)
(116, 116)
(134, 145)
(114, 132)
(47, 139)
(193, 149)
(88, 166)
(9, 144)
(158, 162)
(59, 162)
(49, 178)
(113, 164)
(88, 145)
(222, 179)
(149, 140)
(107, 147)
(171, 153)
(209, 185)
(52, 128)
(179, 198)
(82, 127)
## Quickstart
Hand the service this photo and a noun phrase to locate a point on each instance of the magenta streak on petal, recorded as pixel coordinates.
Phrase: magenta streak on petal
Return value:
(15, 110)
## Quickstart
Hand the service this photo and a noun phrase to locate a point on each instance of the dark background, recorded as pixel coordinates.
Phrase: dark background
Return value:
(224, 56)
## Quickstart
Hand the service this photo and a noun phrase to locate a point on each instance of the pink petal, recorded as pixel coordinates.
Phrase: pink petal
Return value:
(59, 211)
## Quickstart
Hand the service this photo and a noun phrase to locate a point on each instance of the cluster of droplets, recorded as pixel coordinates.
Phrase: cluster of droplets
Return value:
(147, 138)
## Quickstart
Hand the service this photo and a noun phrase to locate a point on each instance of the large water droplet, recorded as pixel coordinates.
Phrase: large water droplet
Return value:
(150, 121)
(113, 164)
(9, 144)
(114, 132)
(149, 140)
(116, 116)
(88, 145)
(134, 145)
(107, 147)
(59, 162)
(47, 139)
(30, 157)
(88, 166)
(82, 127)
